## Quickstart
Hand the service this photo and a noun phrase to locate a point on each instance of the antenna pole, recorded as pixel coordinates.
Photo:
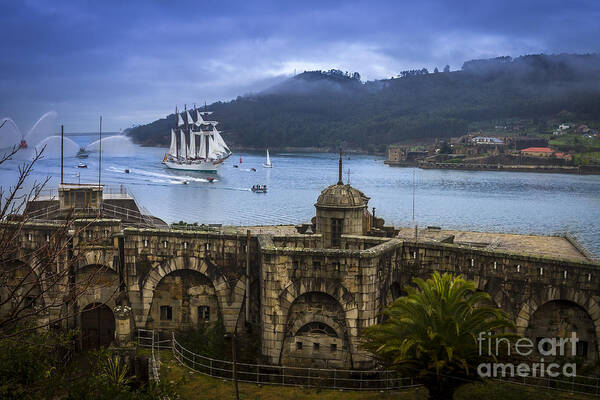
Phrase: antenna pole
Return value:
(62, 137)
(100, 156)
(413, 199)
(340, 181)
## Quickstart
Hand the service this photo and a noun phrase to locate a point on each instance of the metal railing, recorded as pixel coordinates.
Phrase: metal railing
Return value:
(337, 379)
(150, 338)
(577, 384)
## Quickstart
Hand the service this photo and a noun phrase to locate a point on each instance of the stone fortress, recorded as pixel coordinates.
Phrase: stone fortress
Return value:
(308, 290)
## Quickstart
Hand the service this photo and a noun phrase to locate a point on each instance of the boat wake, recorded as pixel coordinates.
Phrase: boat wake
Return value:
(161, 178)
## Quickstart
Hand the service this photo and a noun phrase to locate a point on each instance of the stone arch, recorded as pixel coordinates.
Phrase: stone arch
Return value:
(559, 318)
(30, 285)
(335, 290)
(98, 257)
(581, 299)
(495, 288)
(182, 300)
(103, 285)
(316, 333)
(97, 323)
(230, 297)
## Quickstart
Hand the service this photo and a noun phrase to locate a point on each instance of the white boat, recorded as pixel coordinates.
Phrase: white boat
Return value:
(200, 146)
(268, 163)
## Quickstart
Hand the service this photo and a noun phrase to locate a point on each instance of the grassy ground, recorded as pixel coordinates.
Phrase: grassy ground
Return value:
(197, 386)
(575, 142)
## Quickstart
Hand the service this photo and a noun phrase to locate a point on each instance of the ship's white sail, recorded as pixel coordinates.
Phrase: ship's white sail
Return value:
(192, 150)
(173, 147)
(213, 151)
(220, 142)
(202, 150)
(199, 119)
(182, 145)
(205, 148)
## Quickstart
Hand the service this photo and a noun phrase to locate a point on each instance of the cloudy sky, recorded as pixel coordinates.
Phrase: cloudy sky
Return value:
(134, 61)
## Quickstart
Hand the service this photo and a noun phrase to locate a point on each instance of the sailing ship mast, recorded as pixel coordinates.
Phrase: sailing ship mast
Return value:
(212, 149)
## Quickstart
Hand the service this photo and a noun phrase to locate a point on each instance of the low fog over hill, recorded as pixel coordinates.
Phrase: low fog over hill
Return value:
(332, 108)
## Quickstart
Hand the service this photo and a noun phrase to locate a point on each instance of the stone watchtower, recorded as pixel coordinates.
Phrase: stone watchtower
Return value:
(341, 210)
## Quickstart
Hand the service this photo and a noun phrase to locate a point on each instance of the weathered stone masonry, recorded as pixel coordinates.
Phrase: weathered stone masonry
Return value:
(311, 295)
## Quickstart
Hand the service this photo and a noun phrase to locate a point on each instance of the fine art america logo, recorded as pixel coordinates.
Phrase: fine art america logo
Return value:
(524, 347)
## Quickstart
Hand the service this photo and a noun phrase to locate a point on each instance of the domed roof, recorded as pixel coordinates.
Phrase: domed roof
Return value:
(341, 196)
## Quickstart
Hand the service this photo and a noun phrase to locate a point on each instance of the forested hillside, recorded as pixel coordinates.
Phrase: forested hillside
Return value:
(331, 108)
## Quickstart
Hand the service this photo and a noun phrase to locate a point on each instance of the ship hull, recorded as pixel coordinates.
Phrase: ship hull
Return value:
(200, 166)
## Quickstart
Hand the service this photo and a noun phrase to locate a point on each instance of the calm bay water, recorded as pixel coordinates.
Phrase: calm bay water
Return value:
(481, 201)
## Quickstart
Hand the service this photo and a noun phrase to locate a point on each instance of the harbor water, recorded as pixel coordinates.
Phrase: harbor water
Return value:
(549, 204)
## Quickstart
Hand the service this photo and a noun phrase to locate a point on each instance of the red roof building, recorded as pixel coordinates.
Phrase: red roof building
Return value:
(538, 151)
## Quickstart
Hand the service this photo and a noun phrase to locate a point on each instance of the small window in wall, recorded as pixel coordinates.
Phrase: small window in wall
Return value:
(333, 347)
(207, 246)
(145, 242)
(29, 237)
(336, 266)
(337, 225)
(165, 244)
(203, 313)
(185, 245)
(166, 313)
(47, 237)
(298, 345)
(316, 346)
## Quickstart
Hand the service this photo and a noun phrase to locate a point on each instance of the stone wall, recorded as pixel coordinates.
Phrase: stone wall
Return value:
(295, 290)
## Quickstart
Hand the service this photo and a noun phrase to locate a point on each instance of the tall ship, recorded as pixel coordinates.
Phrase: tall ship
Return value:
(199, 145)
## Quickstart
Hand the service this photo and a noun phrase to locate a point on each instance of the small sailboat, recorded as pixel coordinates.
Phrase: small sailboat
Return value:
(82, 165)
(268, 163)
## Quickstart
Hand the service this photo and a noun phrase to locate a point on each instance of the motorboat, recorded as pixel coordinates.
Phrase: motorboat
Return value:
(82, 153)
(259, 188)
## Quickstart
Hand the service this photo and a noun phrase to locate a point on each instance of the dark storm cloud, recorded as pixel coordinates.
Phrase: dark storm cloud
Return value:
(133, 61)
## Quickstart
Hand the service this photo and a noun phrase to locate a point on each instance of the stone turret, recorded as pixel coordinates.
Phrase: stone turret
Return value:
(341, 210)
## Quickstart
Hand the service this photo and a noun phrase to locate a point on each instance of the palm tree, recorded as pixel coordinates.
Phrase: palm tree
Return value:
(432, 332)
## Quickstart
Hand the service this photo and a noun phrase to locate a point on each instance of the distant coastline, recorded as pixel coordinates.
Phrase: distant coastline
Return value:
(581, 170)
(292, 149)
